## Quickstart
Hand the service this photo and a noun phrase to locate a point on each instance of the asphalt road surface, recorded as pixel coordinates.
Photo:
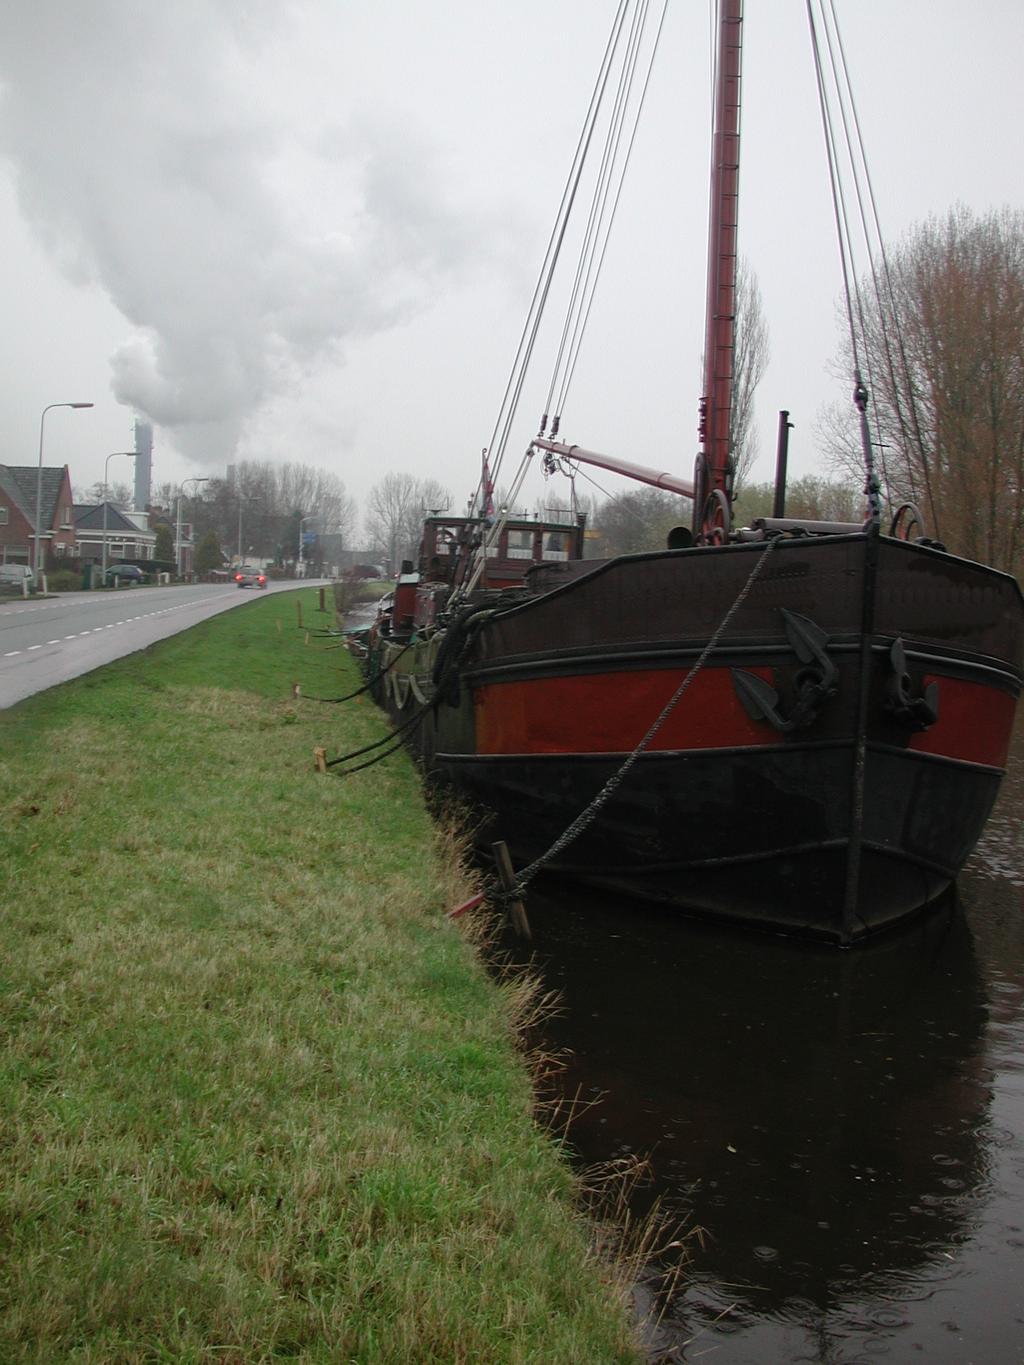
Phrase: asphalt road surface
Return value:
(45, 641)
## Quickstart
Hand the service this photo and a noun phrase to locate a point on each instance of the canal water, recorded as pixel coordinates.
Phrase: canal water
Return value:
(839, 1135)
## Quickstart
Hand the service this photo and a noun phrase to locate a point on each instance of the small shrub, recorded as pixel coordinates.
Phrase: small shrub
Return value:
(63, 580)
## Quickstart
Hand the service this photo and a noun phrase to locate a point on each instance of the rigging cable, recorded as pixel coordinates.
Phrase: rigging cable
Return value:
(514, 386)
(918, 436)
(599, 200)
(871, 487)
(584, 319)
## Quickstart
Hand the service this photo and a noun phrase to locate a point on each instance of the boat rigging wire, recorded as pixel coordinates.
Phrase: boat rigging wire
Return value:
(837, 87)
(845, 244)
(621, 500)
(602, 219)
(875, 233)
(514, 387)
(590, 258)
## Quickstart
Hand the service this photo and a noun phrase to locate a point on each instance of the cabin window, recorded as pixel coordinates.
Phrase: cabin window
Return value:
(556, 545)
(447, 540)
(520, 545)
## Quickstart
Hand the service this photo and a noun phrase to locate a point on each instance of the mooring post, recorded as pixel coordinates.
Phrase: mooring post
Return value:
(507, 877)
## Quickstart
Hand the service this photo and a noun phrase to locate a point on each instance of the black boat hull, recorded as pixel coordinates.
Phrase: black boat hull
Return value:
(662, 836)
(827, 769)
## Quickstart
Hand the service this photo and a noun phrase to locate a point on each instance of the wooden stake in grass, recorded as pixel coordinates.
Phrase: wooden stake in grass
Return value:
(298, 610)
(279, 625)
(516, 909)
(320, 758)
(296, 690)
(322, 607)
(307, 637)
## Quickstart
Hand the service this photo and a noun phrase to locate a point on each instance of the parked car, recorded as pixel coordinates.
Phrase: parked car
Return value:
(125, 573)
(16, 577)
(250, 578)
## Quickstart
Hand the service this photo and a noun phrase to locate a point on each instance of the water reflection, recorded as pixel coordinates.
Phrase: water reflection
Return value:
(845, 1126)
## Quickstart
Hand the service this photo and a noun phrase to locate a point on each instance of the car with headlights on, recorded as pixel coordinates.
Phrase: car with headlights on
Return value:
(250, 578)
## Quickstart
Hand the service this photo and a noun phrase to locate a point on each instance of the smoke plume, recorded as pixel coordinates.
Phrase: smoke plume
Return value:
(242, 242)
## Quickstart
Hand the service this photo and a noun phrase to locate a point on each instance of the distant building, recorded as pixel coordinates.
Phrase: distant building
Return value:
(129, 537)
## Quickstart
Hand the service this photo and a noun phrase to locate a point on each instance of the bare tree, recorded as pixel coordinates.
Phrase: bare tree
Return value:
(638, 520)
(265, 502)
(394, 514)
(118, 494)
(749, 364)
(943, 359)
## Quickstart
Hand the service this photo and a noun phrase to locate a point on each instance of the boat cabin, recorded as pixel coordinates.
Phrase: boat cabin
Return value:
(448, 543)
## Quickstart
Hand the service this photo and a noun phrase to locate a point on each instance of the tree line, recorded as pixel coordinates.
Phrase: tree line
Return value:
(942, 355)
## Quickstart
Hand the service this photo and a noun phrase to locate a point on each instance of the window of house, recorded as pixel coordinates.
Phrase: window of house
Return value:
(3, 515)
(59, 548)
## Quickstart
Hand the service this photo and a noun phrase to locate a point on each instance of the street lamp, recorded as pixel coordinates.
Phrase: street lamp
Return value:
(177, 530)
(106, 466)
(39, 477)
(298, 563)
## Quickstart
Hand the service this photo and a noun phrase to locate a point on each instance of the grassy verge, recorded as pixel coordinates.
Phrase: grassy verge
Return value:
(258, 1095)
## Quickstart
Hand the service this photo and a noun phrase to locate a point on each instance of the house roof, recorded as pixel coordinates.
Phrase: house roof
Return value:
(89, 517)
(20, 482)
(10, 489)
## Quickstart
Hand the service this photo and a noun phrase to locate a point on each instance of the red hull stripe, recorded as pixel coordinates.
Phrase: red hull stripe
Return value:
(611, 712)
(975, 723)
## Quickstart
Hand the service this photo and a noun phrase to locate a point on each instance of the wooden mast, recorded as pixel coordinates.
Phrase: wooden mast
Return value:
(714, 465)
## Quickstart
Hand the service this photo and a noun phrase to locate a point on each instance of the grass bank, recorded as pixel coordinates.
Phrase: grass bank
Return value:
(259, 1099)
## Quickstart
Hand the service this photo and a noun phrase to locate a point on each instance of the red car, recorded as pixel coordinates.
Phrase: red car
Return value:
(250, 578)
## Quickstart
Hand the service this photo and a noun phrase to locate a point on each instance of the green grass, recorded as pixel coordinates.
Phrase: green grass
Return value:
(259, 1097)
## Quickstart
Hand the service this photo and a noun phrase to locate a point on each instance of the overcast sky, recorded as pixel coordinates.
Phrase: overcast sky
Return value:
(294, 229)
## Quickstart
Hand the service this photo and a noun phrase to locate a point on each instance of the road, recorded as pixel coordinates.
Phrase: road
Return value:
(45, 641)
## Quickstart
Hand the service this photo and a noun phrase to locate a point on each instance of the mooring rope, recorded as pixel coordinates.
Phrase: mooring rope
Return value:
(336, 701)
(590, 813)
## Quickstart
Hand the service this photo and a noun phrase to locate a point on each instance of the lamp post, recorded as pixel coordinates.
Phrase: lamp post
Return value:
(177, 529)
(298, 562)
(106, 466)
(39, 478)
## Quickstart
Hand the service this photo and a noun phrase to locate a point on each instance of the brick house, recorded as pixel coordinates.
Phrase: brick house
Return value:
(18, 485)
